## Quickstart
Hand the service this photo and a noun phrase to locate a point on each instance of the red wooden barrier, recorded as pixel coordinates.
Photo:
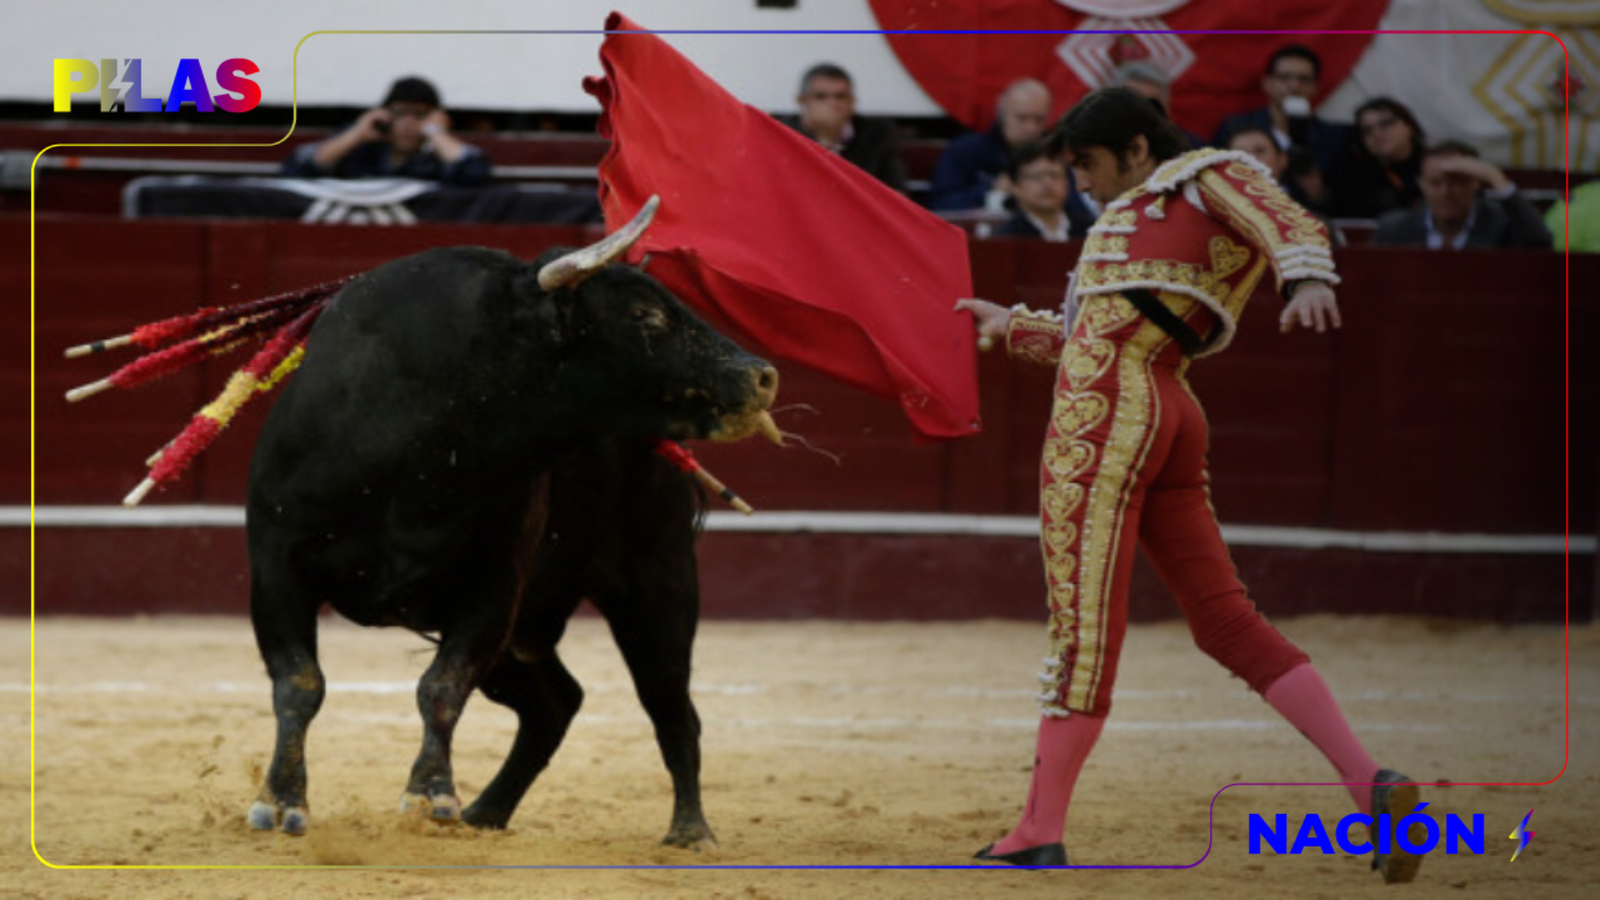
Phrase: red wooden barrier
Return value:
(1439, 408)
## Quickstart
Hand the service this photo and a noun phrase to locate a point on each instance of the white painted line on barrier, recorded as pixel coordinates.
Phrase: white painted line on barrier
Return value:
(883, 524)
(120, 517)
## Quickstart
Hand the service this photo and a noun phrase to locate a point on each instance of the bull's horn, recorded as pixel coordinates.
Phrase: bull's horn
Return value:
(569, 271)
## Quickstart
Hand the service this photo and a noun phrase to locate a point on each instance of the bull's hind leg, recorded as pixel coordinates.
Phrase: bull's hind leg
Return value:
(286, 633)
(656, 637)
(466, 652)
(545, 697)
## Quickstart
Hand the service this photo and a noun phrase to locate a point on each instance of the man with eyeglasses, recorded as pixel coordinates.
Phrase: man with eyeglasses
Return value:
(1290, 83)
(972, 173)
(407, 136)
(971, 169)
(1039, 180)
(827, 104)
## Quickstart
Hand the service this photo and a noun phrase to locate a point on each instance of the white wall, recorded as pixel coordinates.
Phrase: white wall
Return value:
(501, 71)
(1436, 74)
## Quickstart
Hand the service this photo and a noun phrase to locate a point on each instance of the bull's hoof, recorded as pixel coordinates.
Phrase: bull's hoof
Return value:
(696, 838)
(296, 820)
(479, 816)
(442, 808)
(291, 820)
(262, 817)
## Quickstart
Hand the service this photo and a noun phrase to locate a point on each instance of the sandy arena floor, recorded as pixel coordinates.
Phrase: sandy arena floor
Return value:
(826, 744)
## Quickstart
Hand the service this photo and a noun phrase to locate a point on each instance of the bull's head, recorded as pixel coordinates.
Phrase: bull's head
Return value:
(631, 331)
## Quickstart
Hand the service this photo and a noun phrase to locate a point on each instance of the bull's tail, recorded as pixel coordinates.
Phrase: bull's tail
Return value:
(281, 323)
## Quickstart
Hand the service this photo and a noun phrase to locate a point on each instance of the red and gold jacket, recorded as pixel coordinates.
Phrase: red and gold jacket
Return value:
(1205, 225)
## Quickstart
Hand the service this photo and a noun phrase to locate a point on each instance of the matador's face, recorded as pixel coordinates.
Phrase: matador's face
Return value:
(1105, 176)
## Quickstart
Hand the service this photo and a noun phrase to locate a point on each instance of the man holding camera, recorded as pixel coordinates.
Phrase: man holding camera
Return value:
(1314, 145)
(408, 136)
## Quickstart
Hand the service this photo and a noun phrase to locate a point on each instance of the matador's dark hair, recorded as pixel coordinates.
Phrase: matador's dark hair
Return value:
(1111, 118)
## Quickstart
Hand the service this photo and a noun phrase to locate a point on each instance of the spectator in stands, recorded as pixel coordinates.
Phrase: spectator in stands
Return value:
(1583, 221)
(1467, 202)
(1380, 173)
(828, 116)
(1290, 85)
(971, 172)
(1039, 185)
(1152, 81)
(408, 136)
(1306, 190)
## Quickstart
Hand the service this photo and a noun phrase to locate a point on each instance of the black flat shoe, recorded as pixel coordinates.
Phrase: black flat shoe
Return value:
(1398, 796)
(1030, 857)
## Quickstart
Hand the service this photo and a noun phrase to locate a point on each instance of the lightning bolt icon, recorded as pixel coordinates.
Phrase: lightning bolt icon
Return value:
(1521, 833)
(115, 91)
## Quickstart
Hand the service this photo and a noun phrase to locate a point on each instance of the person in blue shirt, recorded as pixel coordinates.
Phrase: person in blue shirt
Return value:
(971, 168)
(407, 136)
(1290, 84)
(971, 173)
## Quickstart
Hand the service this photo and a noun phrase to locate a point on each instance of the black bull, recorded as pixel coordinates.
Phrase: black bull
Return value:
(469, 454)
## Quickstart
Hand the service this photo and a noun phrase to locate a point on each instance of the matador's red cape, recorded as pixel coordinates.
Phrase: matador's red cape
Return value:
(807, 255)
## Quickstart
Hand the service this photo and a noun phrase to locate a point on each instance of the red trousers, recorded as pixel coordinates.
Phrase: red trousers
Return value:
(1125, 462)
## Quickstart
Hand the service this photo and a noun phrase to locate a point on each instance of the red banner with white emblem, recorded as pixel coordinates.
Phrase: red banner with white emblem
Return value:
(1213, 75)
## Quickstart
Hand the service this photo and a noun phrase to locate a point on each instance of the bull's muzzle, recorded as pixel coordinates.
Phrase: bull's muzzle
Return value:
(765, 380)
(762, 383)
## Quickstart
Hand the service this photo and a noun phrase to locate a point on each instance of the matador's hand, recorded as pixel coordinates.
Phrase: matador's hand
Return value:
(1313, 306)
(991, 320)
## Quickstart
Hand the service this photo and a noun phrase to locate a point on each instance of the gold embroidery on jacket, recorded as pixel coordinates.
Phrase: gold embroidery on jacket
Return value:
(1034, 338)
(1098, 243)
(1163, 272)
(1120, 218)
(1103, 313)
(1227, 257)
(1248, 218)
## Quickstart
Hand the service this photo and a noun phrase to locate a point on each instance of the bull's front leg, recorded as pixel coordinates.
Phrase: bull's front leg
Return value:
(466, 652)
(658, 648)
